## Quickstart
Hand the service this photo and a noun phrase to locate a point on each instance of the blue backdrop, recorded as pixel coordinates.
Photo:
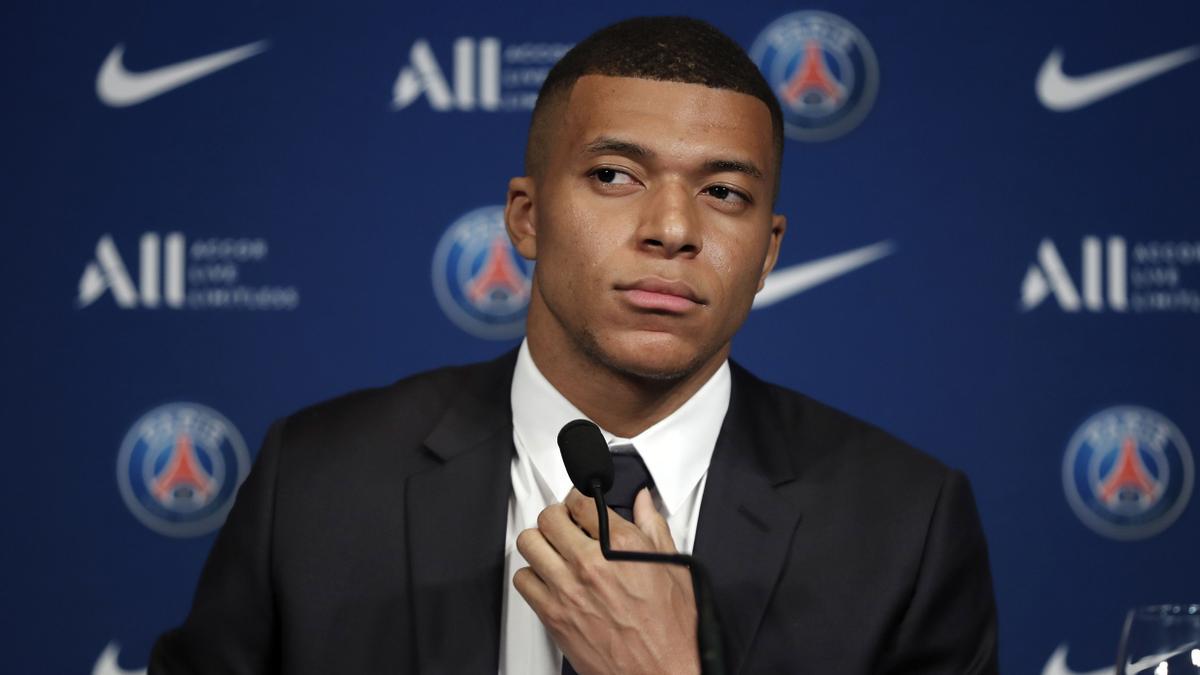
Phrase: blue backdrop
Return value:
(216, 213)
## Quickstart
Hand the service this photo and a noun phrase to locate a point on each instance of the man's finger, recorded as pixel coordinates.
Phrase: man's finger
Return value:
(545, 561)
(556, 525)
(534, 590)
(651, 522)
(583, 512)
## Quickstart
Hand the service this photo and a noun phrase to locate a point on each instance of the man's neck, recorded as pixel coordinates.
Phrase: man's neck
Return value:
(621, 403)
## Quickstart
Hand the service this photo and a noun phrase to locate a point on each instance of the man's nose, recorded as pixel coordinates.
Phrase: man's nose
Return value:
(670, 224)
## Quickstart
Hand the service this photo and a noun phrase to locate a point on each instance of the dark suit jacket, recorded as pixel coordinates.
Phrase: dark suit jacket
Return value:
(369, 539)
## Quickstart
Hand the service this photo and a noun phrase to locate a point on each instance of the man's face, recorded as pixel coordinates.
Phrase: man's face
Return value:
(650, 221)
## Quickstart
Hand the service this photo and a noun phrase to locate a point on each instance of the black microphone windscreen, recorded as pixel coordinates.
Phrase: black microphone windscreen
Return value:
(585, 454)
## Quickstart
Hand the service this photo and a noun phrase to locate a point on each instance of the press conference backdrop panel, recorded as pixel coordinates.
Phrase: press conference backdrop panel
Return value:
(216, 213)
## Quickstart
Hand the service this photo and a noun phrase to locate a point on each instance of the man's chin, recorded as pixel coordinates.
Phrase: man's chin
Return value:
(650, 355)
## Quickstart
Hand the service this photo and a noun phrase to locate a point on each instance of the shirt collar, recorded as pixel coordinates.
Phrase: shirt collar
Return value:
(676, 449)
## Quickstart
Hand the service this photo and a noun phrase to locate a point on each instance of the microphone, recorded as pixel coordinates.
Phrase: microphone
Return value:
(586, 456)
(590, 466)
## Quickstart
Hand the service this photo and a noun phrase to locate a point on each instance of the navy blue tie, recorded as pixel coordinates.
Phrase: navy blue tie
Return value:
(629, 476)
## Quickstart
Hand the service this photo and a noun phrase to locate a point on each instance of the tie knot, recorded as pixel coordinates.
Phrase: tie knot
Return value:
(629, 475)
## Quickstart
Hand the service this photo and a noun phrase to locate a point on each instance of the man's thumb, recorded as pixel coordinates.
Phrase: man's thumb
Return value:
(651, 522)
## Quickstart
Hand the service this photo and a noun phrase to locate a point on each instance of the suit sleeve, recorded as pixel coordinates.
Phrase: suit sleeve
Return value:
(232, 626)
(950, 625)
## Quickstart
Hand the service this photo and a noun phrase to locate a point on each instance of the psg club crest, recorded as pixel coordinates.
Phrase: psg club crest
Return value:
(179, 468)
(823, 71)
(1128, 472)
(479, 279)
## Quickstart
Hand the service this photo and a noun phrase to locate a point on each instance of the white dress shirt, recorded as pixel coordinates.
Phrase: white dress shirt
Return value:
(676, 451)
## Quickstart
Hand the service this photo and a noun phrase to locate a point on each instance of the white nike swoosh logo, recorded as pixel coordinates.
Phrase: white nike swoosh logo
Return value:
(1057, 665)
(1062, 93)
(784, 283)
(107, 663)
(119, 87)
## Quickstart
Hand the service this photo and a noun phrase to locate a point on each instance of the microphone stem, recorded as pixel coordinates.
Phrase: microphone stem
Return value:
(708, 626)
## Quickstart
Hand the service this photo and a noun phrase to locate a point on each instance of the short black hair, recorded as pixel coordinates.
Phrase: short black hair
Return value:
(666, 48)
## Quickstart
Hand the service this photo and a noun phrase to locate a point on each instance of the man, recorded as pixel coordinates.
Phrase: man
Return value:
(430, 526)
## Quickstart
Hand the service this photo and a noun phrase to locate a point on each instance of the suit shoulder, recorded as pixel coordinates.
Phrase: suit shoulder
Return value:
(391, 415)
(826, 438)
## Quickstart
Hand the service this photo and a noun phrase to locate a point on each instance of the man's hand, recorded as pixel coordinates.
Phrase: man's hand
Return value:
(609, 617)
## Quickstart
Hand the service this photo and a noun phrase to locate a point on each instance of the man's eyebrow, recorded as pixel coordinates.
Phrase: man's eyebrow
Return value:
(722, 165)
(608, 144)
(617, 146)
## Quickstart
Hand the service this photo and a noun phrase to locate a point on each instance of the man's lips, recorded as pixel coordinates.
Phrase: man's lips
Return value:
(661, 295)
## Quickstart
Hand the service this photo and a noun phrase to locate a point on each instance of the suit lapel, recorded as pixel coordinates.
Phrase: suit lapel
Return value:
(457, 517)
(748, 514)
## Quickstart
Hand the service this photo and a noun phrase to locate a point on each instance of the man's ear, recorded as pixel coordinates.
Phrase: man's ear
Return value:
(778, 227)
(520, 217)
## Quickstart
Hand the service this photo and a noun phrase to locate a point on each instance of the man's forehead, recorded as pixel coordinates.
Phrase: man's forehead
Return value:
(660, 112)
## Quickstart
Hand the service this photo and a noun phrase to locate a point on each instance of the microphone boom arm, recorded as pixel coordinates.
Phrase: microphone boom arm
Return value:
(708, 627)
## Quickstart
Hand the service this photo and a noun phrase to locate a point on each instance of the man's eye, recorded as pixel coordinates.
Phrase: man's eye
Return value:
(723, 193)
(612, 176)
